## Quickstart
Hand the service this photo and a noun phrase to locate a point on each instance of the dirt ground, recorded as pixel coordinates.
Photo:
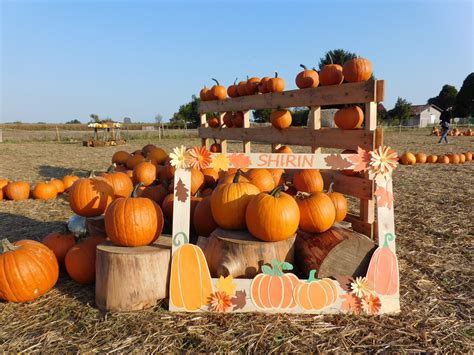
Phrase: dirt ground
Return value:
(434, 206)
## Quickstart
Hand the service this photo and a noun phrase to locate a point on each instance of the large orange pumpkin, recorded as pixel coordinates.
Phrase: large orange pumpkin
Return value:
(357, 69)
(120, 182)
(120, 157)
(340, 203)
(28, 270)
(18, 190)
(275, 84)
(229, 202)
(383, 269)
(432, 159)
(58, 184)
(60, 244)
(307, 78)
(315, 294)
(331, 74)
(89, 197)
(308, 180)
(262, 178)
(272, 217)
(420, 158)
(317, 212)
(133, 221)
(80, 260)
(408, 158)
(157, 154)
(273, 289)
(144, 173)
(44, 191)
(203, 222)
(349, 118)
(281, 119)
(69, 180)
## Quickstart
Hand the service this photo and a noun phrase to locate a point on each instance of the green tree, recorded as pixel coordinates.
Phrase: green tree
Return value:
(187, 114)
(339, 56)
(401, 111)
(299, 116)
(465, 98)
(446, 97)
(73, 122)
(261, 116)
(94, 117)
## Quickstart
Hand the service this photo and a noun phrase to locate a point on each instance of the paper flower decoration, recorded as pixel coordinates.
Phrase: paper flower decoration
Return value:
(220, 162)
(199, 158)
(179, 157)
(219, 302)
(226, 285)
(382, 162)
(360, 287)
(371, 304)
(351, 303)
(361, 160)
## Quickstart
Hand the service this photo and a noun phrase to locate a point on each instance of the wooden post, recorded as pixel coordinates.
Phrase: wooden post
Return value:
(57, 134)
(223, 142)
(159, 133)
(1, 136)
(204, 141)
(246, 144)
(314, 122)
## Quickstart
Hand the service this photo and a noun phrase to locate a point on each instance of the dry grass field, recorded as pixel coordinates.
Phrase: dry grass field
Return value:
(434, 207)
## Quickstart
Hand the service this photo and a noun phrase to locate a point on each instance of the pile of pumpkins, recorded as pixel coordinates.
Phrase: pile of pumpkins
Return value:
(455, 132)
(352, 117)
(409, 158)
(43, 190)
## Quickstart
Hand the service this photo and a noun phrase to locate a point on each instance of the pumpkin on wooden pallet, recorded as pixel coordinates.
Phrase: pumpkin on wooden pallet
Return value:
(349, 118)
(308, 78)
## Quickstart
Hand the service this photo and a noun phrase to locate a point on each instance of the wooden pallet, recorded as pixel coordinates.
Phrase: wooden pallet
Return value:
(368, 93)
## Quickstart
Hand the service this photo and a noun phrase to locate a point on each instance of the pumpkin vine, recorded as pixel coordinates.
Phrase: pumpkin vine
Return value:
(276, 268)
(388, 238)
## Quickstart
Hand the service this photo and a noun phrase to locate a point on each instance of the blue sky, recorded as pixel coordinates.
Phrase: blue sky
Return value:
(62, 60)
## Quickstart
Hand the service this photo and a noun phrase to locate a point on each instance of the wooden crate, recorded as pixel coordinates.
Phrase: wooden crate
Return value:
(368, 93)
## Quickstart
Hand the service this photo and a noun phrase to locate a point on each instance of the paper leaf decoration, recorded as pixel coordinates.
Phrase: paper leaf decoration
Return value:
(199, 158)
(384, 197)
(181, 191)
(361, 160)
(239, 300)
(336, 161)
(240, 160)
(345, 282)
(220, 162)
(219, 302)
(227, 285)
(351, 303)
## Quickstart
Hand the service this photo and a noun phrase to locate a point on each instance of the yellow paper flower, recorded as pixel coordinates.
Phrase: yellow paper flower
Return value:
(360, 287)
(382, 161)
(219, 302)
(227, 285)
(220, 162)
(371, 304)
(199, 158)
(179, 157)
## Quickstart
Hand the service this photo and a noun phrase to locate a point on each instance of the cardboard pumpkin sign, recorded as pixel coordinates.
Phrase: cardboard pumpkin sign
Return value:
(383, 269)
(315, 294)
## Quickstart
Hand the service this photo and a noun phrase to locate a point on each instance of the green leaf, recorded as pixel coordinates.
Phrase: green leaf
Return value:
(267, 270)
(286, 266)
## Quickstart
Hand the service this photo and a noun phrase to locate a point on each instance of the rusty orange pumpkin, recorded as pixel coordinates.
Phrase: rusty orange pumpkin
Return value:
(307, 78)
(281, 119)
(276, 84)
(18, 190)
(357, 69)
(120, 157)
(218, 91)
(349, 118)
(60, 244)
(144, 173)
(317, 212)
(232, 89)
(308, 180)
(80, 260)
(90, 197)
(44, 191)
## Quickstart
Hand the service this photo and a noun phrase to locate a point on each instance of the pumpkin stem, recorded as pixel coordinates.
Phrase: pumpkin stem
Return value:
(237, 176)
(330, 58)
(276, 75)
(315, 69)
(312, 276)
(7, 246)
(91, 174)
(277, 270)
(235, 81)
(303, 66)
(111, 168)
(216, 81)
(276, 191)
(330, 187)
(388, 238)
(135, 189)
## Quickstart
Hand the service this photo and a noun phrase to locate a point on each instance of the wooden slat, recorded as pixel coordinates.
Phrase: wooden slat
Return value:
(360, 226)
(379, 90)
(378, 137)
(204, 141)
(246, 144)
(325, 137)
(222, 142)
(324, 95)
(348, 185)
(314, 122)
(371, 116)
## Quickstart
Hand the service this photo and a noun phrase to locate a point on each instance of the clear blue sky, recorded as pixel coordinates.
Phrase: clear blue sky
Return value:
(62, 60)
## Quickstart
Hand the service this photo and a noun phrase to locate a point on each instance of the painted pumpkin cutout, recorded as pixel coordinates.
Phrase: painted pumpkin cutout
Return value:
(315, 294)
(383, 269)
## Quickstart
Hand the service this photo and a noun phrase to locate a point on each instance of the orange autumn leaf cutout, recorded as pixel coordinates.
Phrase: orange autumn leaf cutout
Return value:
(336, 161)
(181, 191)
(361, 160)
(220, 162)
(351, 303)
(240, 160)
(384, 197)
(239, 300)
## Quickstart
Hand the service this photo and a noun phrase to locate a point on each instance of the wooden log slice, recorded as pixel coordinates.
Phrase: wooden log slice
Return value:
(130, 279)
(338, 251)
(239, 254)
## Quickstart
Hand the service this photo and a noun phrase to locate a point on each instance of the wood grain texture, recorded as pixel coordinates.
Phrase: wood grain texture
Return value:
(348, 93)
(314, 122)
(361, 226)
(130, 279)
(348, 185)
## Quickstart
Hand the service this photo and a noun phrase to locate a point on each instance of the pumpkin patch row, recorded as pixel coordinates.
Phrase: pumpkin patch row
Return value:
(455, 132)
(408, 158)
(44, 190)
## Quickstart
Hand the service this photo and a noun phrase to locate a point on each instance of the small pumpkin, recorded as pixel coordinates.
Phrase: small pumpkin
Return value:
(203, 222)
(468, 156)
(432, 159)
(18, 190)
(227, 119)
(262, 178)
(213, 122)
(281, 119)
(44, 191)
(272, 217)
(204, 94)
(60, 244)
(215, 148)
(232, 89)
(340, 203)
(69, 180)
(383, 269)
(408, 158)
(262, 86)
(89, 197)
(331, 74)
(284, 149)
(420, 158)
(307, 78)
(462, 158)
(357, 69)
(58, 184)
(276, 84)
(308, 180)
(120, 157)
(251, 86)
(219, 91)
(158, 155)
(317, 212)
(144, 173)
(238, 119)
(3, 183)
(134, 160)
(315, 294)
(28, 270)
(120, 182)
(349, 118)
(453, 158)
(80, 260)
(242, 88)
(443, 159)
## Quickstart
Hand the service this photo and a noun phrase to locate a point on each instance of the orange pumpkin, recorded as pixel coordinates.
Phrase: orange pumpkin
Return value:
(190, 280)
(197, 181)
(315, 294)
(203, 94)
(443, 159)
(432, 159)
(349, 118)
(3, 183)
(251, 86)
(307, 78)
(468, 156)
(357, 69)
(277, 175)
(284, 150)
(408, 158)
(276, 84)
(44, 191)
(262, 86)
(227, 119)
(203, 222)
(210, 177)
(18, 190)
(383, 269)
(213, 122)
(80, 260)
(462, 158)
(232, 89)
(155, 192)
(60, 244)
(218, 91)
(144, 173)
(453, 158)
(317, 212)
(28, 270)
(308, 180)
(272, 217)
(134, 160)
(133, 221)
(228, 178)
(158, 155)
(120, 182)
(281, 119)
(69, 180)
(120, 157)
(229, 202)
(242, 88)
(340, 203)
(331, 74)
(58, 184)
(147, 149)
(273, 289)
(89, 197)
(420, 158)
(262, 178)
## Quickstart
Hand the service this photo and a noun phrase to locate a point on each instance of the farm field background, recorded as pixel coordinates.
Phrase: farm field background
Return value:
(433, 212)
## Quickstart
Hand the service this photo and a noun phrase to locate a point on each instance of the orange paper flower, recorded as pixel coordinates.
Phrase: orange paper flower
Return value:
(351, 303)
(219, 302)
(199, 158)
(382, 161)
(371, 304)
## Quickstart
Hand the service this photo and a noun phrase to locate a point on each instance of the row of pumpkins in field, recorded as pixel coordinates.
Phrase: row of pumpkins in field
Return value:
(455, 132)
(354, 70)
(43, 190)
(408, 158)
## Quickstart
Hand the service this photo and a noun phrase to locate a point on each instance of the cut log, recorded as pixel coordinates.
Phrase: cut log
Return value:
(130, 279)
(96, 226)
(239, 254)
(338, 251)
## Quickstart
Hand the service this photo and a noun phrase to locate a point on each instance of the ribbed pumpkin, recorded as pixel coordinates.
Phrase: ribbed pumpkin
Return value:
(317, 212)
(262, 178)
(218, 91)
(408, 158)
(3, 183)
(203, 222)
(68, 181)
(357, 69)
(281, 119)
(340, 203)
(232, 89)
(284, 150)
(262, 86)
(89, 197)
(60, 244)
(331, 74)
(144, 173)
(420, 158)
(307, 78)
(58, 184)
(443, 159)
(276, 84)
(157, 154)
(432, 159)
(44, 191)
(251, 86)
(155, 192)
(133, 221)
(308, 180)
(272, 217)
(18, 190)
(120, 157)
(120, 182)
(134, 160)
(210, 177)
(28, 270)
(227, 119)
(349, 118)
(80, 260)
(229, 202)
(315, 294)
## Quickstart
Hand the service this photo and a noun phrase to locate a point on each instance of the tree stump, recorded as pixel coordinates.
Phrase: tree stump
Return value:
(239, 254)
(338, 251)
(130, 279)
